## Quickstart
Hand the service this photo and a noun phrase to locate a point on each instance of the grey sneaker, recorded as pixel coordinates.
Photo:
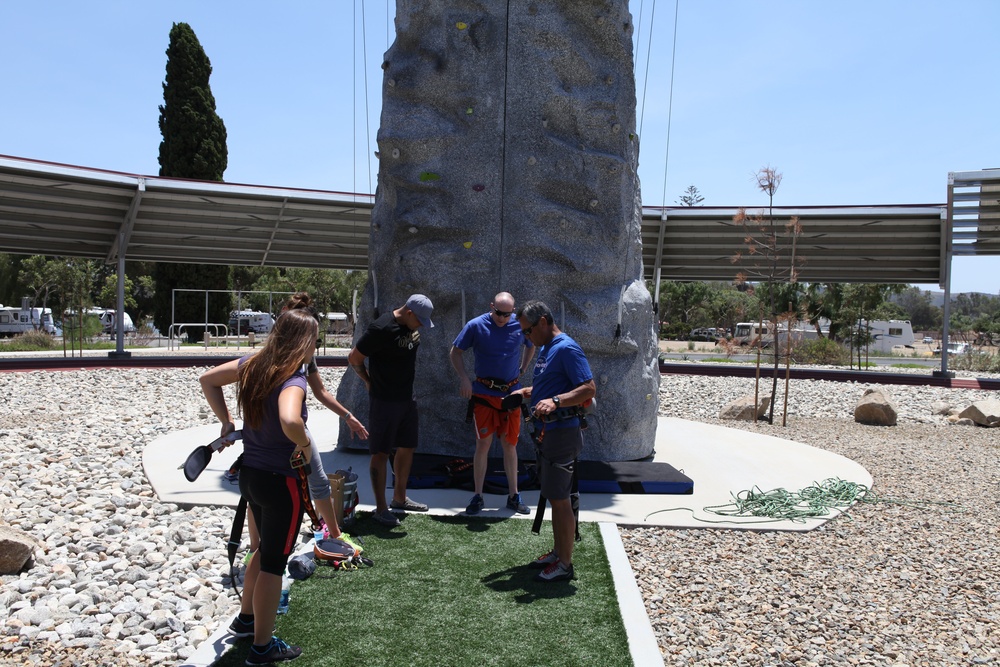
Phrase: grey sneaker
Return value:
(475, 505)
(545, 560)
(555, 572)
(408, 506)
(514, 503)
(386, 518)
(277, 651)
(240, 628)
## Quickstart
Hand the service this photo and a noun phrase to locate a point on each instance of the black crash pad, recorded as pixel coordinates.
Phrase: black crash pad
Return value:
(442, 471)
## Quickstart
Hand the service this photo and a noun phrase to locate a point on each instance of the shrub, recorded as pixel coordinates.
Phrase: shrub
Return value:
(976, 361)
(820, 351)
(30, 341)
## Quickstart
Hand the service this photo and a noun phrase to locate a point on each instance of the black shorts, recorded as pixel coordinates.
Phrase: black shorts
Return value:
(560, 449)
(276, 504)
(391, 424)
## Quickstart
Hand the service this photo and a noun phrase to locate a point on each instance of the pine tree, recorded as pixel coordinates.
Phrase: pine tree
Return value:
(193, 146)
(691, 197)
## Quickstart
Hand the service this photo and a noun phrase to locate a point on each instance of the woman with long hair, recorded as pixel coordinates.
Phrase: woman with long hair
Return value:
(271, 396)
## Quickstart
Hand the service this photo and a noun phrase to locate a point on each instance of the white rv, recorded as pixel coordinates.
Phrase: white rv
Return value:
(886, 334)
(752, 334)
(243, 321)
(15, 321)
(109, 320)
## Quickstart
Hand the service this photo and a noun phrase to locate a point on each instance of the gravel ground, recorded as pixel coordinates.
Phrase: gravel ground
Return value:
(897, 585)
(127, 580)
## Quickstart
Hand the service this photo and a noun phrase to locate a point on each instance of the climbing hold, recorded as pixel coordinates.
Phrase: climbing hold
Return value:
(468, 111)
(478, 187)
(593, 203)
(467, 245)
(391, 83)
(412, 230)
(461, 26)
(429, 176)
(395, 152)
(564, 223)
(532, 160)
(616, 128)
(377, 155)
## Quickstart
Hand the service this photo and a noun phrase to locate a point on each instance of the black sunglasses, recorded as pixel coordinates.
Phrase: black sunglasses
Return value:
(503, 313)
(527, 332)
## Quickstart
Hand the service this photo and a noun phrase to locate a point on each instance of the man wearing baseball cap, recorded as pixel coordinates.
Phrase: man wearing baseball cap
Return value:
(390, 346)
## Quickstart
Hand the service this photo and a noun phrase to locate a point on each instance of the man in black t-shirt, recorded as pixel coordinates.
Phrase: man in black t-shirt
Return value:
(390, 346)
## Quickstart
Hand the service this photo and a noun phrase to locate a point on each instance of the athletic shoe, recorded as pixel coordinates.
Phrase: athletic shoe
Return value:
(475, 505)
(344, 537)
(408, 506)
(240, 628)
(555, 572)
(386, 518)
(545, 560)
(231, 477)
(277, 651)
(514, 503)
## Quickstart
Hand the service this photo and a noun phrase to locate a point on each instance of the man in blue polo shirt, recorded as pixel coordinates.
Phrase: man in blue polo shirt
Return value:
(562, 381)
(502, 354)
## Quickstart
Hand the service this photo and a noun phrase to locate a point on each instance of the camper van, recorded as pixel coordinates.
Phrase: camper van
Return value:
(751, 333)
(244, 321)
(15, 321)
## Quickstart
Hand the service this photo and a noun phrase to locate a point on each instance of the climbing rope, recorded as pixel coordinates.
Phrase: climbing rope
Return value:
(813, 502)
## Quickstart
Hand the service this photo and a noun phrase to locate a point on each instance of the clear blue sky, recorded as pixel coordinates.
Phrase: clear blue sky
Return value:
(855, 102)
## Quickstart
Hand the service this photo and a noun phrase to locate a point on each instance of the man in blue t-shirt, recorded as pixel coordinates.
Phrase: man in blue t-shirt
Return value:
(502, 354)
(562, 381)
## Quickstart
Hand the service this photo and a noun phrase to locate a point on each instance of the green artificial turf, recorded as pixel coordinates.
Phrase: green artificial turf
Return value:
(455, 591)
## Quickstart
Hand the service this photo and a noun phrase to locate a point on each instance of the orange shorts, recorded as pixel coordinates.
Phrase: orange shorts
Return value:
(490, 419)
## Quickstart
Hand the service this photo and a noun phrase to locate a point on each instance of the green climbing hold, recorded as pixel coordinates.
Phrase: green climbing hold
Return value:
(429, 176)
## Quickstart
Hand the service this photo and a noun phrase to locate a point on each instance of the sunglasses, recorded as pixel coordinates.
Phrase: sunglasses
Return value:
(503, 313)
(527, 332)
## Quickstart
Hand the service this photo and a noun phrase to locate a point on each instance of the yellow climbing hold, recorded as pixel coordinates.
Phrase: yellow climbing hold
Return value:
(467, 245)
(461, 26)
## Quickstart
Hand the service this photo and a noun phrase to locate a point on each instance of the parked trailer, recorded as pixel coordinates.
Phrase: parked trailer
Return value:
(886, 334)
(15, 321)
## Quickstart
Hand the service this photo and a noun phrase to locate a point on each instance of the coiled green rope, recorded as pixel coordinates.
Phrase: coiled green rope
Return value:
(813, 502)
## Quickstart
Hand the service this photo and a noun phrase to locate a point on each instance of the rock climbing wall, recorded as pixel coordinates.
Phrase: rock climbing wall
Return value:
(507, 162)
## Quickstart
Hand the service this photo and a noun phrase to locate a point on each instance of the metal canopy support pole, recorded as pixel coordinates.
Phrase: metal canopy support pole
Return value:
(947, 229)
(118, 248)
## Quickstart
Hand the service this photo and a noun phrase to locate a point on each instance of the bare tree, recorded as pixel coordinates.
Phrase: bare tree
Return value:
(769, 261)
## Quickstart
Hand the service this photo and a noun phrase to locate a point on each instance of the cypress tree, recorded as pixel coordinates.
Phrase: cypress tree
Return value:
(193, 146)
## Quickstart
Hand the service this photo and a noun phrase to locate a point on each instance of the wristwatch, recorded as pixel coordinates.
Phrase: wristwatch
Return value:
(555, 399)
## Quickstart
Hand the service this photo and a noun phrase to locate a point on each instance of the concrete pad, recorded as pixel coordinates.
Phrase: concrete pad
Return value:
(721, 461)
